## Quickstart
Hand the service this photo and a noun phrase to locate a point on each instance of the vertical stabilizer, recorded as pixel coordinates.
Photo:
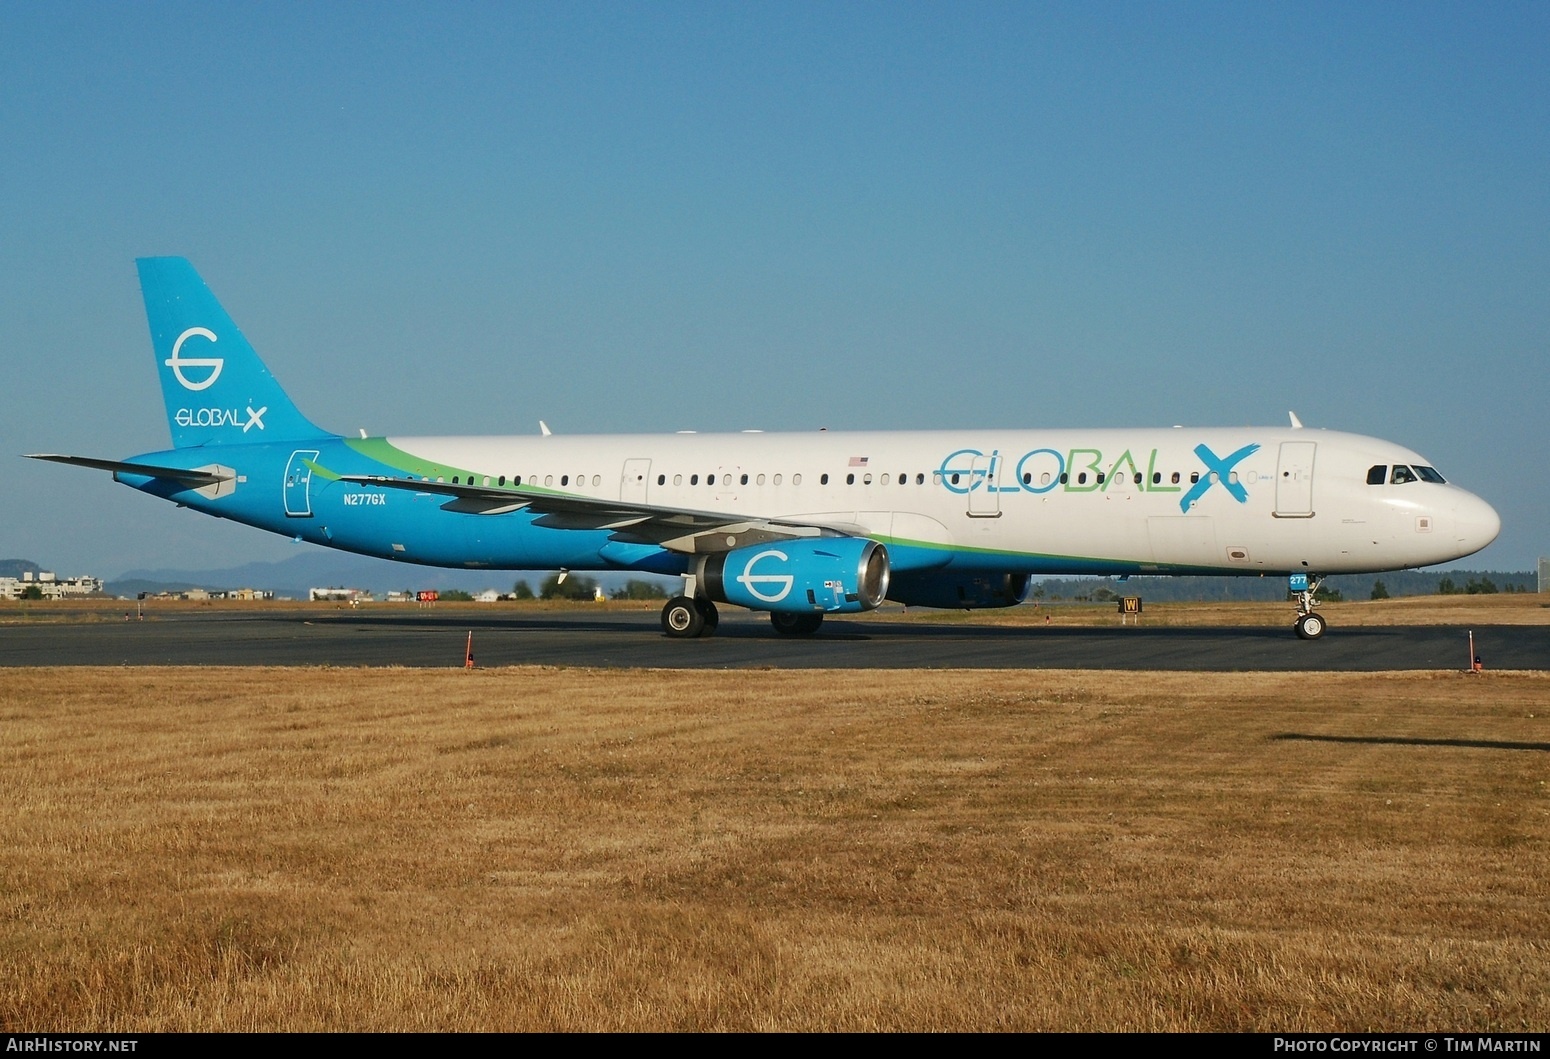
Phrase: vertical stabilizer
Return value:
(216, 388)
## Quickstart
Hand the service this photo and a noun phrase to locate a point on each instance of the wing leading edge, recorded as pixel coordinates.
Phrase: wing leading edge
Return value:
(681, 530)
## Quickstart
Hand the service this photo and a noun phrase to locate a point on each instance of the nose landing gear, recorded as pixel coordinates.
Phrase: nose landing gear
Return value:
(1309, 625)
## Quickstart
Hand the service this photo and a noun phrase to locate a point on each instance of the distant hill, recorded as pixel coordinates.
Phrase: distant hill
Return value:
(17, 567)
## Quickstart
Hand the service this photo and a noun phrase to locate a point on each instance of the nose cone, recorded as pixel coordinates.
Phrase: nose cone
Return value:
(1475, 523)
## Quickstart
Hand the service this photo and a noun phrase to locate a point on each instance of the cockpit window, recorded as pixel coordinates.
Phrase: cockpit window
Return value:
(1377, 475)
(1429, 474)
(1401, 475)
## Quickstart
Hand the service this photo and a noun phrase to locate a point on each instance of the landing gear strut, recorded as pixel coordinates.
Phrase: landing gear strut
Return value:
(1309, 625)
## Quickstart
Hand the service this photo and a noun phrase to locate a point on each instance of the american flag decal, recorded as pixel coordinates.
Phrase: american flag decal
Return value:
(858, 461)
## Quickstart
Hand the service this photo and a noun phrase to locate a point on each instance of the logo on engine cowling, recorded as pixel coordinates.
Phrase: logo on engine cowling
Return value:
(748, 579)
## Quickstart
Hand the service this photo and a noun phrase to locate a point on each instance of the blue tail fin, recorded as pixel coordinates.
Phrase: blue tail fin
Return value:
(216, 388)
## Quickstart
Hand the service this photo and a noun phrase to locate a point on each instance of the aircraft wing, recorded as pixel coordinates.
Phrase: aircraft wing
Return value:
(676, 529)
(194, 478)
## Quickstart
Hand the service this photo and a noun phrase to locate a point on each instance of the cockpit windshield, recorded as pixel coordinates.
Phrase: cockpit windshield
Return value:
(1399, 474)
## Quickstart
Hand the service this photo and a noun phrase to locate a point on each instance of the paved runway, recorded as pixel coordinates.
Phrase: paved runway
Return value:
(744, 641)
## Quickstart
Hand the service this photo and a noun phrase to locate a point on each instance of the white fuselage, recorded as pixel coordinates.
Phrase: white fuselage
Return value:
(1172, 500)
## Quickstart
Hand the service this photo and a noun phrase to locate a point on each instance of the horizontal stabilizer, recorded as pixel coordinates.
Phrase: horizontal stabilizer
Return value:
(145, 470)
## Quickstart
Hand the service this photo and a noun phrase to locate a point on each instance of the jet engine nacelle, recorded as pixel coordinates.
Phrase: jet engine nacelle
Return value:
(832, 575)
(959, 591)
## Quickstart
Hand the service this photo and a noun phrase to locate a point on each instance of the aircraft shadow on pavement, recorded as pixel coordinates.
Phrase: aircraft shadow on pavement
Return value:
(1399, 740)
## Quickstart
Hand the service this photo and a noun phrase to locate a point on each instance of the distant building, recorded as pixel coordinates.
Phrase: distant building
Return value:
(250, 593)
(49, 585)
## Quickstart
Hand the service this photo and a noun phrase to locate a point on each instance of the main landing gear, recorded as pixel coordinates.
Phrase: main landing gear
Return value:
(804, 624)
(690, 615)
(683, 617)
(1309, 625)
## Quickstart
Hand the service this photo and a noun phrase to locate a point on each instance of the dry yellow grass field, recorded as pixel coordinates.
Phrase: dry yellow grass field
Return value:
(536, 849)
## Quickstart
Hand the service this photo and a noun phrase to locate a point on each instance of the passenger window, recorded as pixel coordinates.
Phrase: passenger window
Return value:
(710, 479)
(548, 479)
(1138, 477)
(1027, 477)
(1194, 476)
(1175, 478)
(758, 481)
(850, 479)
(597, 479)
(776, 479)
(1081, 479)
(1065, 478)
(1156, 477)
(866, 479)
(955, 479)
(678, 479)
(920, 479)
(745, 479)
(516, 480)
(1100, 477)
(1376, 475)
(796, 479)
(822, 480)
(661, 479)
(503, 480)
(694, 479)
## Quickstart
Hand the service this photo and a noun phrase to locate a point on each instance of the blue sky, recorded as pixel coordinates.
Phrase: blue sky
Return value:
(462, 218)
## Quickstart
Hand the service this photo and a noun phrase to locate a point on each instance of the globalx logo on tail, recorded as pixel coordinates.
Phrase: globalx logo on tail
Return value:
(221, 417)
(207, 417)
(177, 363)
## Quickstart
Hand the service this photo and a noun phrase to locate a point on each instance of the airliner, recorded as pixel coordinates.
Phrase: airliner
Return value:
(797, 525)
